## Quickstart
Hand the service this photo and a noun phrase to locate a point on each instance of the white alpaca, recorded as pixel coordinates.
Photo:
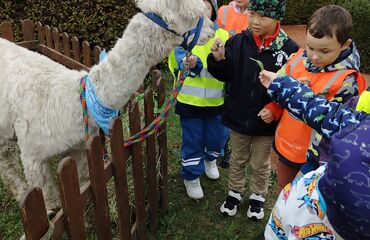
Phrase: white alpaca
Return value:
(40, 109)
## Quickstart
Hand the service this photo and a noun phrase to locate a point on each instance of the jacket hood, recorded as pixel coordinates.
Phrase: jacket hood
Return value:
(348, 59)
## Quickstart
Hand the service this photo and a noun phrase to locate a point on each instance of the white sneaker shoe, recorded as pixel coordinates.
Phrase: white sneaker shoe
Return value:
(211, 169)
(193, 188)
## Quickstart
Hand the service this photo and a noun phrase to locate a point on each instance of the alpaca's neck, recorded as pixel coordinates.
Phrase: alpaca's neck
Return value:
(119, 75)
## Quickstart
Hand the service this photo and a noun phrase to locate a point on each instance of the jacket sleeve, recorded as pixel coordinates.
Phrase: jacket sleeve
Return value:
(222, 70)
(276, 109)
(325, 117)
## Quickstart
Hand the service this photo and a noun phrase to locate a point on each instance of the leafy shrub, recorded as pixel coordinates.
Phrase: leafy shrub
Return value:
(99, 22)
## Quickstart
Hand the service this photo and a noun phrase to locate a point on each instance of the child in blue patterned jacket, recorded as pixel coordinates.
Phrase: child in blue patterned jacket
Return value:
(333, 201)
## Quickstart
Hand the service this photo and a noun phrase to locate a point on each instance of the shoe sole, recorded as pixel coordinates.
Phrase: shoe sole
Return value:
(255, 216)
(228, 213)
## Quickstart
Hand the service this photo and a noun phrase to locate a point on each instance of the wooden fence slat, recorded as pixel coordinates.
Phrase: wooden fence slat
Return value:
(40, 33)
(58, 57)
(162, 141)
(48, 36)
(28, 30)
(97, 51)
(56, 39)
(138, 173)
(119, 163)
(86, 53)
(33, 211)
(76, 49)
(98, 187)
(6, 31)
(66, 45)
(151, 162)
(69, 189)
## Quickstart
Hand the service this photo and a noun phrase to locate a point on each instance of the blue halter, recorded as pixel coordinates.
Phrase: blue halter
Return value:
(195, 31)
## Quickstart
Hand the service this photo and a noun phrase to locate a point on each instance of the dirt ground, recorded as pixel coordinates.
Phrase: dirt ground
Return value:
(298, 34)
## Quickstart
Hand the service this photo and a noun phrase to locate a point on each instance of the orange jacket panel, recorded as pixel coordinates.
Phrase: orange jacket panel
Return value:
(231, 21)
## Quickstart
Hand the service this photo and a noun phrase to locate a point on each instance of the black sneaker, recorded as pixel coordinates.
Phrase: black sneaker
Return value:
(255, 209)
(230, 206)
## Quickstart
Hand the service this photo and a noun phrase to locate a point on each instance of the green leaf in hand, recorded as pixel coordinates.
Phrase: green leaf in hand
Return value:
(260, 64)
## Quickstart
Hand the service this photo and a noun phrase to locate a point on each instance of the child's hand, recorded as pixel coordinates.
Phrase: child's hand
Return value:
(218, 49)
(266, 115)
(190, 62)
(266, 77)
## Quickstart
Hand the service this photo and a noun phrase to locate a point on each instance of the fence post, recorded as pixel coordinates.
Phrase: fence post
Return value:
(151, 162)
(97, 51)
(66, 45)
(69, 189)
(28, 30)
(119, 163)
(138, 173)
(76, 49)
(33, 211)
(48, 36)
(6, 31)
(86, 53)
(40, 33)
(162, 141)
(98, 187)
(56, 39)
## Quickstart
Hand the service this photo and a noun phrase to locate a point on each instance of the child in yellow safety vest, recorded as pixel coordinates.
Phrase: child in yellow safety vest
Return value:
(199, 105)
(329, 65)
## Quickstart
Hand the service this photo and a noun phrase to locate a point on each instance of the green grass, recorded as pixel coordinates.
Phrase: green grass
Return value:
(190, 219)
(187, 218)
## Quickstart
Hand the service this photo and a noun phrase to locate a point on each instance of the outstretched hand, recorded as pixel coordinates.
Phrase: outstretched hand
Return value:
(266, 77)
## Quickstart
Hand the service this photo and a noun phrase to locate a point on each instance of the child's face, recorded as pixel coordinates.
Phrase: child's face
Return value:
(324, 51)
(262, 25)
(209, 8)
(242, 3)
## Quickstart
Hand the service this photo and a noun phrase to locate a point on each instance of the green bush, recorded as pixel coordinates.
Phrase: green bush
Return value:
(99, 22)
(360, 11)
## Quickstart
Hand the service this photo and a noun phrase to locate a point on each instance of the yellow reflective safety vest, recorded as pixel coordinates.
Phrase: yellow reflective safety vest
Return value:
(203, 90)
(363, 103)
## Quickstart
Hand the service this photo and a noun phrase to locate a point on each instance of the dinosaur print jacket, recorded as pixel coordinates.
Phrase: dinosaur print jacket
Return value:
(336, 196)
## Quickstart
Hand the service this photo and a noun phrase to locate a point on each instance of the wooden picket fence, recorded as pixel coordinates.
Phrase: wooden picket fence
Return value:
(149, 204)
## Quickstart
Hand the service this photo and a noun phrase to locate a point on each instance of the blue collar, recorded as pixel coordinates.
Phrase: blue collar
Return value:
(102, 114)
(195, 31)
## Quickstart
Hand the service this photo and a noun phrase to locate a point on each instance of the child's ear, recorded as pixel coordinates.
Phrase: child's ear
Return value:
(346, 44)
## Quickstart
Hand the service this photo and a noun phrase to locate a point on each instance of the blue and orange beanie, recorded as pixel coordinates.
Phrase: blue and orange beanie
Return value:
(270, 8)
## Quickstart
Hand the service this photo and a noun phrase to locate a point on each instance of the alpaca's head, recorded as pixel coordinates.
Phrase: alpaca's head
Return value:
(180, 15)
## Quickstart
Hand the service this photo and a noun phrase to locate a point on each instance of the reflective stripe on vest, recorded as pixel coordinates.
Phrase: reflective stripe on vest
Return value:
(224, 17)
(363, 103)
(293, 137)
(203, 90)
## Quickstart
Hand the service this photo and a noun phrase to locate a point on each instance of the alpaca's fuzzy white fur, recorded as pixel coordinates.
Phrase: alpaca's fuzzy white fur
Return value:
(40, 109)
